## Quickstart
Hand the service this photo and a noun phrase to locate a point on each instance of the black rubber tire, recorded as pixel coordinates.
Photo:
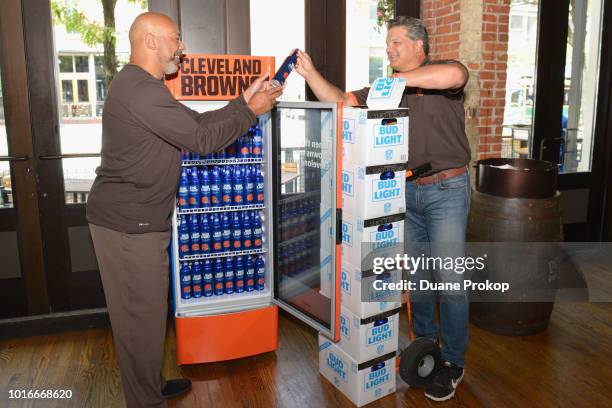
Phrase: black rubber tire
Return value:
(421, 352)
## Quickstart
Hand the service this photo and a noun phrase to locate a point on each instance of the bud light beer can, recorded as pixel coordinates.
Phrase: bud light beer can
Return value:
(204, 188)
(218, 274)
(245, 151)
(247, 231)
(249, 274)
(226, 186)
(205, 235)
(285, 69)
(215, 187)
(257, 230)
(185, 276)
(226, 233)
(183, 191)
(196, 280)
(259, 187)
(249, 185)
(238, 275)
(228, 269)
(257, 142)
(183, 236)
(194, 189)
(216, 233)
(194, 233)
(207, 278)
(236, 231)
(238, 186)
(260, 273)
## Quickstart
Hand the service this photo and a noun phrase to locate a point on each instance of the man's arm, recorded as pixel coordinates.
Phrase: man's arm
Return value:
(446, 75)
(155, 109)
(322, 88)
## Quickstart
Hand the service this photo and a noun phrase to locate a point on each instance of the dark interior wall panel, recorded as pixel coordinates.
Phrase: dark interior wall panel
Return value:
(203, 26)
(167, 7)
(238, 27)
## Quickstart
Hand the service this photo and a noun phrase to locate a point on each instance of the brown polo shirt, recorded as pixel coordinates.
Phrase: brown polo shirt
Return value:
(436, 125)
(143, 130)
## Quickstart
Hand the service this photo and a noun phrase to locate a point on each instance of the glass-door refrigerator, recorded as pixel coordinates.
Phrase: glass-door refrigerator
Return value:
(285, 195)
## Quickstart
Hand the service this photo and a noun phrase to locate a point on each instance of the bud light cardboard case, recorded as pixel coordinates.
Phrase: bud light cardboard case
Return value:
(362, 293)
(362, 383)
(377, 134)
(363, 240)
(373, 191)
(366, 338)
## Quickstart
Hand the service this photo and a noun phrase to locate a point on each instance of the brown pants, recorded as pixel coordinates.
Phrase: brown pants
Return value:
(134, 271)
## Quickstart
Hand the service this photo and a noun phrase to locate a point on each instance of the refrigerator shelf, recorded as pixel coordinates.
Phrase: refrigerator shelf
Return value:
(203, 162)
(221, 254)
(299, 238)
(221, 209)
(254, 294)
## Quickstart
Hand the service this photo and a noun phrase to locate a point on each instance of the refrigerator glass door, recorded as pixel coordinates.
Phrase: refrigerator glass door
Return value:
(235, 302)
(306, 143)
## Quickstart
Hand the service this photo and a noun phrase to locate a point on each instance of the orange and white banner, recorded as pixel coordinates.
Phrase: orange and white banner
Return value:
(217, 77)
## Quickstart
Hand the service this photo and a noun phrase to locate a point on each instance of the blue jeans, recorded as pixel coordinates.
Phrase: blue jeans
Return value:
(435, 226)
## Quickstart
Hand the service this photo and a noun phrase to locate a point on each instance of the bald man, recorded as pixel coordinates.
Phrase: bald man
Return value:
(131, 200)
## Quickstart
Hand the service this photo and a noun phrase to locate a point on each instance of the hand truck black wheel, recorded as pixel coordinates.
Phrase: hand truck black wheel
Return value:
(419, 362)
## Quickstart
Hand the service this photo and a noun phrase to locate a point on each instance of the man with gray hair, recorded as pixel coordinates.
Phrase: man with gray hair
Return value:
(437, 202)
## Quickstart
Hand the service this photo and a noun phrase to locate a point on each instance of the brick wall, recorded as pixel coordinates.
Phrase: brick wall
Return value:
(476, 33)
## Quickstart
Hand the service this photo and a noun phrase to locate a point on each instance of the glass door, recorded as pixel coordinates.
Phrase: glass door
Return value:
(306, 143)
(12, 291)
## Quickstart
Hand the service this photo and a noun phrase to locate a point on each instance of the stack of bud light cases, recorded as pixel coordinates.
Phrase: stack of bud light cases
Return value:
(219, 220)
(374, 155)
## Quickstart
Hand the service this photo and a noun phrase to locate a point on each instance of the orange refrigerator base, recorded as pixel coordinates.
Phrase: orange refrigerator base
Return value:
(206, 339)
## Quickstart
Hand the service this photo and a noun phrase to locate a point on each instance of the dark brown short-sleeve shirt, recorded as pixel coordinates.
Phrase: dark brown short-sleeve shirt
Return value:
(436, 125)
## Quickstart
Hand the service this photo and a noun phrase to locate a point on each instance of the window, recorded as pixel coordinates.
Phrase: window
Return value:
(376, 68)
(581, 81)
(81, 63)
(516, 22)
(520, 79)
(6, 192)
(82, 89)
(366, 57)
(277, 37)
(65, 63)
(67, 94)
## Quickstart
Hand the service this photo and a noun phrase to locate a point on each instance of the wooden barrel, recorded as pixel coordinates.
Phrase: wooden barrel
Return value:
(515, 221)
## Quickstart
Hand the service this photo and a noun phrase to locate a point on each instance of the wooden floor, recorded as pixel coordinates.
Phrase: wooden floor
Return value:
(570, 365)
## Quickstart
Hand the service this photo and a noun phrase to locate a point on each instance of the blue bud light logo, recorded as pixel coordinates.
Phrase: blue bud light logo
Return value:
(387, 208)
(378, 375)
(348, 131)
(345, 330)
(388, 135)
(381, 88)
(381, 331)
(384, 236)
(338, 366)
(388, 154)
(347, 233)
(345, 284)
(347, 183)
(387, 187)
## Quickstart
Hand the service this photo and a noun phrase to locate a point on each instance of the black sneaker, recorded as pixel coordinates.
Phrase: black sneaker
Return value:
(176, 387)
(442, 386)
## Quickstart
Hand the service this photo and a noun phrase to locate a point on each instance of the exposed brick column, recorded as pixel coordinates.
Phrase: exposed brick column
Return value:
(476, 33)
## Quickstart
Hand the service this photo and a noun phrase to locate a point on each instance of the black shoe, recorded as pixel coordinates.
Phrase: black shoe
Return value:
(176, 387)
(442, 386)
